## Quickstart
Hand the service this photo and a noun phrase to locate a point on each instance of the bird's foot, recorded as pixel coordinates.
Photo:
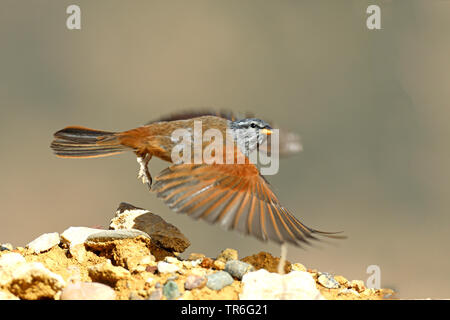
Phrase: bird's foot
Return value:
(144, 174)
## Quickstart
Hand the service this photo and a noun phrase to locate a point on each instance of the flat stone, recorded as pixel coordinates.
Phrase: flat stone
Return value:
(263, 285)
(11, 259)
(44, 242)
(164, 267)
(194, 281)
(298, 267)
(87, 291)
(164, 234)
(170, 290)
(219, 280)
(111, 235)
(327, 280)
(238, 268)
(196, 256)
(77, 235)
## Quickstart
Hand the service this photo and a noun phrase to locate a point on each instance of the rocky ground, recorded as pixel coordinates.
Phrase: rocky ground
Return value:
(139, 258)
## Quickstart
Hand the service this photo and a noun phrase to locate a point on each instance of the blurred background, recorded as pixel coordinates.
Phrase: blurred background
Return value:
(371, 108)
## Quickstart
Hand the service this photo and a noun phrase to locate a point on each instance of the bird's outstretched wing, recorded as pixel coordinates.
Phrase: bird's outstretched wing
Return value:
(235, 196)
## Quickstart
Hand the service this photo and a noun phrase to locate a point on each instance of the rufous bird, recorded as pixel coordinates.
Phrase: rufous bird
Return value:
(236, 196)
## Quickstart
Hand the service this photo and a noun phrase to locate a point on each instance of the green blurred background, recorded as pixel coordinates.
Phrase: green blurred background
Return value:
(371, 107)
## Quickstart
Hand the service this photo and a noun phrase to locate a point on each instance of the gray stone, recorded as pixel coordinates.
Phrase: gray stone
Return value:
(111, 235)
(327, 280)
(87, 291)
(238, 268)
(170, 290)
(163, 234)
(156, 294)
(194, 282)
(219, 280)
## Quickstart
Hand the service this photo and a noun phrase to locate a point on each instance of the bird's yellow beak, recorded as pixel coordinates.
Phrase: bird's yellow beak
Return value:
(266, 131)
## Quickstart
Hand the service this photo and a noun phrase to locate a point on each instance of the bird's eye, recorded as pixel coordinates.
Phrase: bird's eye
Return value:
(253, 125)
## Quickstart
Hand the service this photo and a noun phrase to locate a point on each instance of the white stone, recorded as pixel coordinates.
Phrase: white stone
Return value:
(11, 259)
(77, 235)
(263, 285)
(44, 242)
(164, 267)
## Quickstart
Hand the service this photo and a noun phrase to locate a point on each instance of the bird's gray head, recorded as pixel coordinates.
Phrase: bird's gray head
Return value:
(250, 133)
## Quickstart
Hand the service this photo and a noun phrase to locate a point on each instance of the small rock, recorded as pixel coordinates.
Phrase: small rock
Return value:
(110, 235)
(156, 294)
(228, 254)
(151, 269)
(87, 291)
(164, 234)
(32, 281)
(358, 285)
(170, 290)
(44, 242)
(219, 265)
(107, 273)
(207, 263)
(298, 267)
(219, 280)
(263, 285)
(238, 268)
(194, 282)
(341, 280)
(164, 267)
(196, 256)
(77, 235)
(327, 280)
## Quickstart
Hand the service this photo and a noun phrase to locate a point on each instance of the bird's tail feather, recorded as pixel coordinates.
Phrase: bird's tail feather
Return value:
(81, 142)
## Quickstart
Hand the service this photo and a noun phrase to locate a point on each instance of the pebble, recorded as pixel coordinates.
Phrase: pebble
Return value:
(327, 280)
(219, 280)
(77, 235)
(111, 235)
(156, 294)
(263, 285)
(135, 296)
(87, 291)
(228, 254)
(194, 282)
(207, 263)
(164, 267)
(238, 268)
(44, 242)
(170, 290)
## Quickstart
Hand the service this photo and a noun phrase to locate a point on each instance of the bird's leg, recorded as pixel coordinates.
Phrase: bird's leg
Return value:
(144, 174)
(283, 257)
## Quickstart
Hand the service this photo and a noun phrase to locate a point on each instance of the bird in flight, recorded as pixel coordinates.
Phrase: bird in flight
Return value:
(234, 195)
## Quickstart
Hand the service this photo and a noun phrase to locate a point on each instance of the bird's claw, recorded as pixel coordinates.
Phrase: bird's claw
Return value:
(144, 174)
